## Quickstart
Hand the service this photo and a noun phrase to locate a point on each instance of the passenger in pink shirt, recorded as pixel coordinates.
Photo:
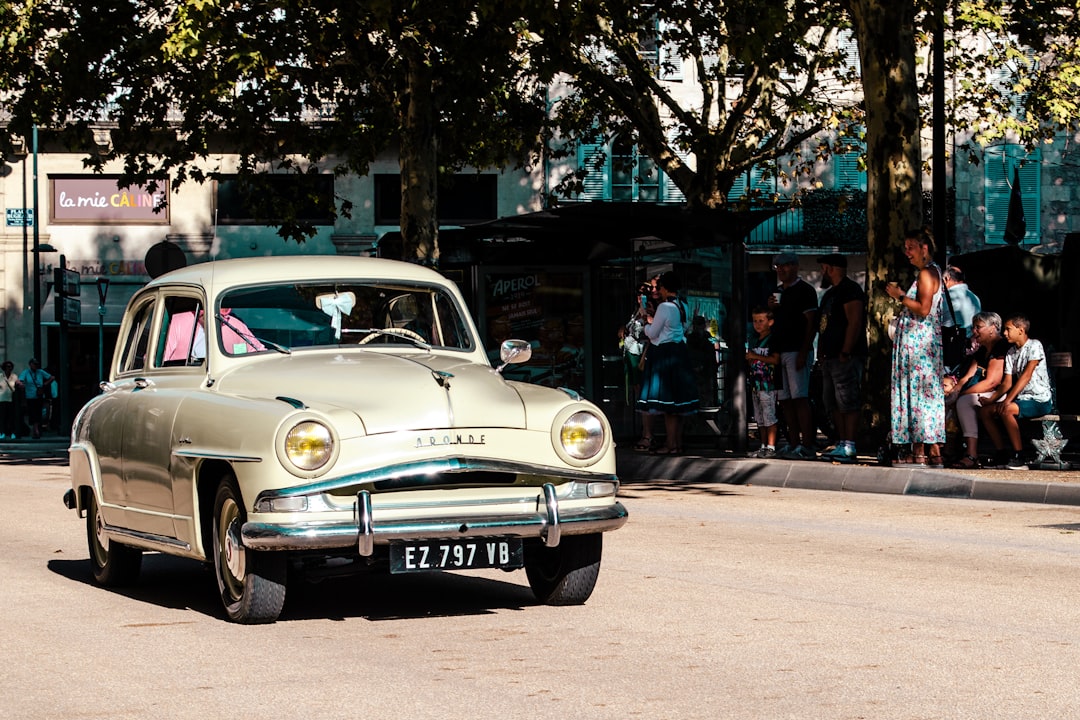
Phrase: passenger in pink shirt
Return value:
(187, 340)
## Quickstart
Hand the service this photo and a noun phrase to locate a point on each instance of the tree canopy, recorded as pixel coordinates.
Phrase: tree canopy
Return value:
(287, 86)
(761, 78)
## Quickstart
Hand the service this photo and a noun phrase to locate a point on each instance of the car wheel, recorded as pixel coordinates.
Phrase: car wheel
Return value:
(252, 584)
(114, 564)
(565, 574)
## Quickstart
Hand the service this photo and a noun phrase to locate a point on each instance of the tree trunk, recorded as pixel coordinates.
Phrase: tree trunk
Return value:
(885, 33)
(419, 164)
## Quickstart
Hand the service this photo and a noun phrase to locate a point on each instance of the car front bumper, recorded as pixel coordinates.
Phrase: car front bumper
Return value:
(362, 534)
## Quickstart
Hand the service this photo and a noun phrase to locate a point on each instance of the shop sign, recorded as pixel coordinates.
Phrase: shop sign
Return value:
(100, 200)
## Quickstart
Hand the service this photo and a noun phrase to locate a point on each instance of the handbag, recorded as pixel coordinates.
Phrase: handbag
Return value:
(954, 341)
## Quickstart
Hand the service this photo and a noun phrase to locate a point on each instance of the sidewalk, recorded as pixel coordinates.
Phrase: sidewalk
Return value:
(706, 465)
(699, 465)
(50, 447)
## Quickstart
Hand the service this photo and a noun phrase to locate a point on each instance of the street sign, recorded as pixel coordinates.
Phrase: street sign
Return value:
(69, 310)
(68, 281)
(19, 217)
(66, 286)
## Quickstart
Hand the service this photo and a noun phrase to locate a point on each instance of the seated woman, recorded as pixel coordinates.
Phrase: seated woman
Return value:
(985, 370)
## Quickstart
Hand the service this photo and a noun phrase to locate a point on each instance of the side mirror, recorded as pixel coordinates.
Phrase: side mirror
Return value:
(514, 351)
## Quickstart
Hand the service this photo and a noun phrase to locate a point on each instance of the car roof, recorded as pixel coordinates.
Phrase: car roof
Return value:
(240, 271)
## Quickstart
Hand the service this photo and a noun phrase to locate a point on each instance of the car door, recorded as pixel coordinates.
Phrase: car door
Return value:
(173, 372)
(109, 412)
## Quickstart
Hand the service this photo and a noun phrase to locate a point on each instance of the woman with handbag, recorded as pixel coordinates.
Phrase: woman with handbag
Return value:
(918, 399)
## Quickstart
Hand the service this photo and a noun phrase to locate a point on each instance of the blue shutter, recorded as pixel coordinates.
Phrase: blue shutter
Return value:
(999, 162)
(597, 182)
(846, 171)
(669, 191)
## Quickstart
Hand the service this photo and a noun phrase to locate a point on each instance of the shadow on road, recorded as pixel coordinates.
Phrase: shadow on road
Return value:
(182, 584)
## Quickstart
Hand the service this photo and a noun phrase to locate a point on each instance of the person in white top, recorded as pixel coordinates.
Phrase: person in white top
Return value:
(1025, 392)
(668, 386)
(8, 385)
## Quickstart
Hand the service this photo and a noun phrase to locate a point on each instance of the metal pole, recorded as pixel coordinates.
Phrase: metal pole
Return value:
(37, 257)
(103, 291)
(64, 422)
(939, 210)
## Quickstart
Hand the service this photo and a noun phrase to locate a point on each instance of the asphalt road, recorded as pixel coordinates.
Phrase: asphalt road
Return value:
(715, 601)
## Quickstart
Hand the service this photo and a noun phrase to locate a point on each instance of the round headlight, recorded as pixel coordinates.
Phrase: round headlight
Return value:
(309, 445)
(582, 435)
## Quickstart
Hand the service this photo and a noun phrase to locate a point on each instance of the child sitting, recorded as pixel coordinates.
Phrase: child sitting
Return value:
(1024, 392)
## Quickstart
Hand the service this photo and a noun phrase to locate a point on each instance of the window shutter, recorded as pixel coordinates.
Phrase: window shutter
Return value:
(997, 182)
(670, 60)
(848, 176)
(670, 192)
(738, 188)
(597, 182)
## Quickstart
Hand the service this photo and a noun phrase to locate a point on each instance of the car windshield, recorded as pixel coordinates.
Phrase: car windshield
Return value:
(274, 318)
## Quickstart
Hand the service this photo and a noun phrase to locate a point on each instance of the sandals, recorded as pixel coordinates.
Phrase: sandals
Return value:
(644, 444)
(915, 461)
(966, 463)
(935, 461)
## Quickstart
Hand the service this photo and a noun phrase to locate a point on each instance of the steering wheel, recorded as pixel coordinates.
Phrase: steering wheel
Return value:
(404, 332)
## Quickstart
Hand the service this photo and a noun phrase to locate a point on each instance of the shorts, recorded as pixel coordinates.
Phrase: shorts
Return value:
(764, 407)
(794, 383)
(841, 384)
(1033, 408)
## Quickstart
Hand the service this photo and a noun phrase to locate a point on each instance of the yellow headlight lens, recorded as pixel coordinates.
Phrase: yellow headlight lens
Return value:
(309, 445)
(582, 435)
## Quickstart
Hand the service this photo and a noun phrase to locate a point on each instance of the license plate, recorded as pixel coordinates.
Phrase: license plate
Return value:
(433, 555)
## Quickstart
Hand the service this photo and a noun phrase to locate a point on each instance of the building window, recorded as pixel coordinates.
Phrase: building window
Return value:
(270, 199)
(622, 173)
(464, 198)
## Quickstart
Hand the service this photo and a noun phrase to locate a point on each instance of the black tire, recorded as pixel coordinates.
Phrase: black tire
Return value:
(251, 584)
(114, 564)
(565, 574)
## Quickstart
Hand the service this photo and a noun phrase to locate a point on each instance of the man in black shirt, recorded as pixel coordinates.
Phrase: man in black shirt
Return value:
(842, 349)
(794, 306)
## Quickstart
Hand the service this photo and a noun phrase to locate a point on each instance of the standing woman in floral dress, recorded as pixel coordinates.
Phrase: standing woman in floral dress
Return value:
(918, 398)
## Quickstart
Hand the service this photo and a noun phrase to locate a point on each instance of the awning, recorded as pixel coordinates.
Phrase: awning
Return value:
(116, 301)
(599, 230)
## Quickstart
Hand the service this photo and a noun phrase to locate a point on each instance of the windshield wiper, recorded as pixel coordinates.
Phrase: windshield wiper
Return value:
(249, 337)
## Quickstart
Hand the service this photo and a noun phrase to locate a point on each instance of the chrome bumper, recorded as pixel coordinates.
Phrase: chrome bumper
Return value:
(363, 535)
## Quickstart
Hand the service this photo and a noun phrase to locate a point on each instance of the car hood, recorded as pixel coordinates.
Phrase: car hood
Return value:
(387, 392)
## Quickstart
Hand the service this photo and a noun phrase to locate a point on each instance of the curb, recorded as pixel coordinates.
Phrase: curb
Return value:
(844, 478)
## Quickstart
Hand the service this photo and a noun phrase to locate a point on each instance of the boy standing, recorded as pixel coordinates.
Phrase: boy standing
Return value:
(1024, 392)
(763, 361)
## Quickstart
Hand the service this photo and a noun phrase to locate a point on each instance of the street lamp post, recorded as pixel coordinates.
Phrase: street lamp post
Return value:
(102, 291)
(37, 254)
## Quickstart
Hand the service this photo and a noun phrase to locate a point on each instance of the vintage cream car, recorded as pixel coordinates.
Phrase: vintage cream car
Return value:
(334, 414)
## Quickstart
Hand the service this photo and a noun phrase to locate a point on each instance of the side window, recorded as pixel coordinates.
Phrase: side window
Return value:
(183, 333)
(138, 338)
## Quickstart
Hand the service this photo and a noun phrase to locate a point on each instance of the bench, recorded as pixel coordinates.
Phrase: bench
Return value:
(1048, 447)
